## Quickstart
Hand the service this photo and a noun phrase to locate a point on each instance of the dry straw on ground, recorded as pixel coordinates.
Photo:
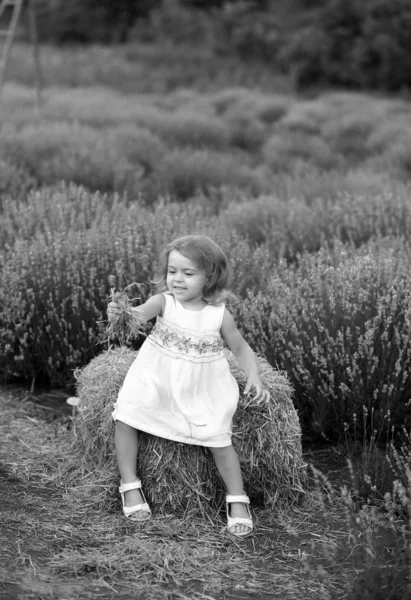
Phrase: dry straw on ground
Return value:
(179, 477)
(73, 550)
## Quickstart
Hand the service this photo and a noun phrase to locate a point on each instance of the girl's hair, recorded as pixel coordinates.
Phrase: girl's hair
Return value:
(208, 256)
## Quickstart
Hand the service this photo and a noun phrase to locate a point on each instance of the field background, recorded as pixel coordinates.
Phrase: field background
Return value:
(302, 177)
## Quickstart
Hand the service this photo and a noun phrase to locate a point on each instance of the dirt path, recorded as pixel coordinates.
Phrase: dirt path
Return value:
(55, 545)
(29, 509)
(29, 515)
(22, 547)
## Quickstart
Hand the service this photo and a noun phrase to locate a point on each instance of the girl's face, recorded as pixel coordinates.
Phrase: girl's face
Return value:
(185, 279)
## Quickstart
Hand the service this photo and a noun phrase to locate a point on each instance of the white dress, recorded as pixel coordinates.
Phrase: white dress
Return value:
(180, 386)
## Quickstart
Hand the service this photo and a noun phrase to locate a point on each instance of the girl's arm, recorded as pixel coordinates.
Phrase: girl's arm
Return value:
(244, 355)
(150, 309)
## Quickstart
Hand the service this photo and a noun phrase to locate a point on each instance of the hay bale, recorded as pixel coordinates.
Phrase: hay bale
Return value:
(179, 477)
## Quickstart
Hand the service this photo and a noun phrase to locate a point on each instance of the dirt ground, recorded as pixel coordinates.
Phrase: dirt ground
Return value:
(21, 554)
(52, 547)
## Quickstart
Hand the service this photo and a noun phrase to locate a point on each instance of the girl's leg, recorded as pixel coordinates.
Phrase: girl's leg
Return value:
(228, 465)
(126, 441)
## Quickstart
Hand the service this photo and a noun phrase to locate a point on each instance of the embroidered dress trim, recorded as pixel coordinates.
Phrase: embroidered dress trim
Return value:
(184, 343)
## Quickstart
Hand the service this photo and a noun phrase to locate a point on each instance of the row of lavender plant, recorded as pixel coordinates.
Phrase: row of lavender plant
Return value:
(337, 320)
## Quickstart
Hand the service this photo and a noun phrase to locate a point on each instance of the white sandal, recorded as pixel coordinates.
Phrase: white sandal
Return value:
(129, 511)
(233, 521)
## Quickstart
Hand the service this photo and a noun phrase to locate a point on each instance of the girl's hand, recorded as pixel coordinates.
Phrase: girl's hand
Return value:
(262, 394)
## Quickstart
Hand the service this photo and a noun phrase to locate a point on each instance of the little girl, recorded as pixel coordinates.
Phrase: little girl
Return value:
(180, 386)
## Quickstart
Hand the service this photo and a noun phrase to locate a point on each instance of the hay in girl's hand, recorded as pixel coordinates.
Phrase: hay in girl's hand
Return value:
(124, 323)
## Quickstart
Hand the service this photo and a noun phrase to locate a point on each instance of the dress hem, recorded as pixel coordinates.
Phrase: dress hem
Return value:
(189, 441)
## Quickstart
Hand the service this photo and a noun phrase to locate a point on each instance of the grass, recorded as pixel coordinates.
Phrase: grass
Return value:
(58, 544)
(142, 68)
(271, 176)
(250, 138)
(333, 323)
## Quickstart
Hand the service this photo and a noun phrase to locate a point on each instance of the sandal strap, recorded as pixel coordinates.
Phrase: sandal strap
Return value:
(126, 487)
(234, 521)
(240, 521)
(129, 510)
(231, 498)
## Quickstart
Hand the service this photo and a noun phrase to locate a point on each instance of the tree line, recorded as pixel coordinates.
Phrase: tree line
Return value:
(363, 44)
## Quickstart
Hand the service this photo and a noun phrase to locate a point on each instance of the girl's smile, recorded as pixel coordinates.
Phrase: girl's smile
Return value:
(185, 279)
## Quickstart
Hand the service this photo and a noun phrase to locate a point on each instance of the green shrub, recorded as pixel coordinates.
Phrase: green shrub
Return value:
(143, 151)
(248, 32)
(384, 582)
(96, 107)
(250, 103)
(272, 109)
(15, 181)
(283, 227)
(339, 325)
(184, 127)
(18, 103)
(298, 121)
(395, 162)
(329, 108)
(308, 116)
(282, 150)
(245, 132)
(385, 54)
(251, 266)
(65, 249)
(175, 24)
(337, 322)
(400, 154)
(348, 136)
(100, 107)
(88, 21)
(69, 152)
(388, 132)
(344, 119)
(115, 159)
(59, 209)
(54, 290)
(289, 227)
(185, 171)
(139, 68)
(369, 451)
(310, 183)
(354, 44)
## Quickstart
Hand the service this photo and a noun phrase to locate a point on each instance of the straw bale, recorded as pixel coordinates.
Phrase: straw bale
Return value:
(179, 477)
